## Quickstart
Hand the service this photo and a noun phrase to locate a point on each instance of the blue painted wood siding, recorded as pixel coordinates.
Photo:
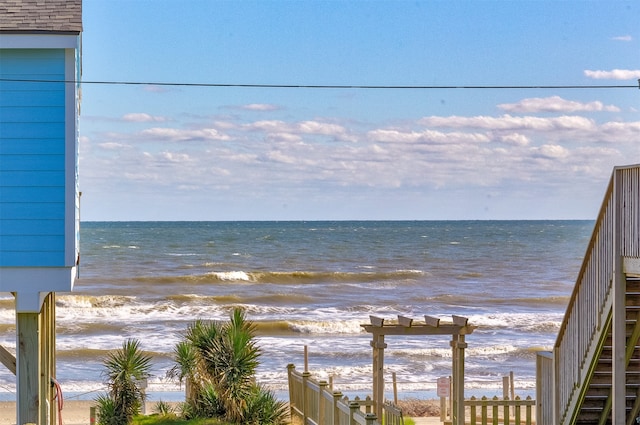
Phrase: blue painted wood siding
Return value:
(32, 158)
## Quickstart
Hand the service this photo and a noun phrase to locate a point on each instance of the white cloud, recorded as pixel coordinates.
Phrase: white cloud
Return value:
(508, 122)
(622, 38)
(141, 176)
(614, 74)
(279, 156)
(552, 151)
(393, 136)
(224, 125)
(283, 137)
(555, 104)
(628, 132)
(142, 117)
(315, 127)
(175, 157)
(427, 136)
(514, 139)
(274, 126)
(294, 131)
(113, 146)
(174, 134)
(259, 107)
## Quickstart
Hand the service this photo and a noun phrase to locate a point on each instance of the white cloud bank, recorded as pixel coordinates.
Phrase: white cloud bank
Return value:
(233, 157)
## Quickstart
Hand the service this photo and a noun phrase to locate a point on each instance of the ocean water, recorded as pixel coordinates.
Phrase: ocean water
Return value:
(314, 284)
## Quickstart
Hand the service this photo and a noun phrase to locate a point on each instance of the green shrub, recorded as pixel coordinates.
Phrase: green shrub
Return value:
(263, 408)
(162, 408)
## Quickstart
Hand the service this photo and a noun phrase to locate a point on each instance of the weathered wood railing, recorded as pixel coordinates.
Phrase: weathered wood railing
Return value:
(589, 308)
(496, 410)
(544, 394)
(392, 414)
(314, 403)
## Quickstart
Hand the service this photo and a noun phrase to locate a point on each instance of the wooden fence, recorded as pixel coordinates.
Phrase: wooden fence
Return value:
(315, 403)
(496, 410)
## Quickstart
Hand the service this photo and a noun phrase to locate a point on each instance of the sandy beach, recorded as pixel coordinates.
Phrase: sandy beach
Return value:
(73, 413)
(77, 413)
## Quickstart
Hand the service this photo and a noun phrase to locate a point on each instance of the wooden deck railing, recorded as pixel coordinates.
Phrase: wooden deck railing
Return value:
(314, 403)
(588, 310)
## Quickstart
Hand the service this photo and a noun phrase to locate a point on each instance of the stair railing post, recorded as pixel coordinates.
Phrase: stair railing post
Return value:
(337, 395)
(323, 387)
(370, 418)
(618, 324)
(353, 408)
(305, 396)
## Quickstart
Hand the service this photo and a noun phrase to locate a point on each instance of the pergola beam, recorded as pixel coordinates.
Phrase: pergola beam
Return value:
(419, 329)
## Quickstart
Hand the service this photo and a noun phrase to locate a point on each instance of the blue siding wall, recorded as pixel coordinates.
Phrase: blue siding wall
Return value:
(32, 158)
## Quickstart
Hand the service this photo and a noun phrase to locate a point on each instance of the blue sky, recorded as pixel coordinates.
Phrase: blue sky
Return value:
(171, 152)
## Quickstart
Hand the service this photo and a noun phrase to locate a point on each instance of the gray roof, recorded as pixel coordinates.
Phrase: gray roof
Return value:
(37, 16)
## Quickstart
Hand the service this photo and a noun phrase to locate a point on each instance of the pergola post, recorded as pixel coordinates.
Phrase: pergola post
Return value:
(454, 380)
(458, 345)
(458, 380)
(378, 346)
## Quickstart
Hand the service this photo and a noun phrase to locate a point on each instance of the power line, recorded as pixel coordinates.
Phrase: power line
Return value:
(328, 86)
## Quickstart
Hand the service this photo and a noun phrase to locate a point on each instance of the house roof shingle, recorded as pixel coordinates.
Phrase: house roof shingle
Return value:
(27, 16)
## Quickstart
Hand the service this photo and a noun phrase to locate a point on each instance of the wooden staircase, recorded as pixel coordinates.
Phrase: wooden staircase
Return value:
(592, 376)
(597, 401)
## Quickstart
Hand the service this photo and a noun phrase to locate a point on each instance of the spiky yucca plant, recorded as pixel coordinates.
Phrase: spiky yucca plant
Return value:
(218, 361)
(231, 361)
(124, 370)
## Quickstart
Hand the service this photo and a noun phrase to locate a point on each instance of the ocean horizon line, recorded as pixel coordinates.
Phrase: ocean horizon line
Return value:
(515, 220)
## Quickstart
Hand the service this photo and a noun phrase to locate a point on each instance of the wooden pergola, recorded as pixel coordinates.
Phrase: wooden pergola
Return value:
(406, 326)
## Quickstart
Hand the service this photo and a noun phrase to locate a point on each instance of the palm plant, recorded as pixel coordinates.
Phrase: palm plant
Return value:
(124, 370)
(218, 362)
(186, 368)
(189, 367)
(231, 361)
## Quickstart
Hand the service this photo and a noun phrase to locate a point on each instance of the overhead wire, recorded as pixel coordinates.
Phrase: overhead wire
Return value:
(329, 86)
